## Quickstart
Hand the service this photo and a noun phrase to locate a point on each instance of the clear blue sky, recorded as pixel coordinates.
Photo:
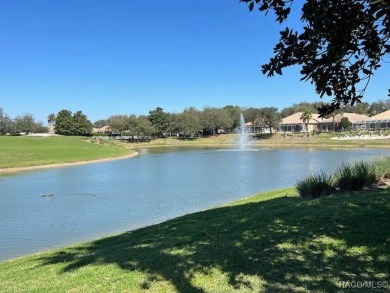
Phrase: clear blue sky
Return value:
(108, 57)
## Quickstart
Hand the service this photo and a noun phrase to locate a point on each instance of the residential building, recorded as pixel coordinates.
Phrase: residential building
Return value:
(377, 122)
(294, 123)
(102, 130)
(333, 123)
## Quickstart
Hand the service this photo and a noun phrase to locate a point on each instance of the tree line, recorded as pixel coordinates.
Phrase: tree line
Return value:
(65, 122)
(25, 123)
(158, 123)
(191, 121)
(212, 120)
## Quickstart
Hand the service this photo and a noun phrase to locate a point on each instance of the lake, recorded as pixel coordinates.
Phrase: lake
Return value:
(95, 200)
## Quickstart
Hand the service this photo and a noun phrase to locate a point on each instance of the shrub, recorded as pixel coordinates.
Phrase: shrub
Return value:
(382, 167)
(315, 185)
(354, 176)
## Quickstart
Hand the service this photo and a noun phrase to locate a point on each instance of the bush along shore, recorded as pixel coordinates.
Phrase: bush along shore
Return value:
(348, 177)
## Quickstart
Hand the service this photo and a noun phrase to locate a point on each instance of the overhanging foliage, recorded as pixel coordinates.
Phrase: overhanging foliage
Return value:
(340, 47)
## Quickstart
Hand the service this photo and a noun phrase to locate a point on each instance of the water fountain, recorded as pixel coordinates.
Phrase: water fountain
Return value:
(243, 138)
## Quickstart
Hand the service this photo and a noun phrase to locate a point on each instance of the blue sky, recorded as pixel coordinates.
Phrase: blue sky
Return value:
(108, 57)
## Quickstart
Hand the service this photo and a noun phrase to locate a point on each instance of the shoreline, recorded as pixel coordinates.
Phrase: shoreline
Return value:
(272, 145)
(11, 170)
(267, 145)
(293, 143)
(229, 140)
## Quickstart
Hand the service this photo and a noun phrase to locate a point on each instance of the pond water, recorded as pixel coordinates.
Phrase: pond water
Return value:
(95, 200)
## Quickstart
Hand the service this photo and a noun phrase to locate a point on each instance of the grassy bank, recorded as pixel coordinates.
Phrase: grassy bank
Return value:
(275, 140)
(272, 242)
(22, 151)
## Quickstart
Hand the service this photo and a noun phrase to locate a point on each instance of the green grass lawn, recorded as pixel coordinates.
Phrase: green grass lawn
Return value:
(272, 242)
(21, 151)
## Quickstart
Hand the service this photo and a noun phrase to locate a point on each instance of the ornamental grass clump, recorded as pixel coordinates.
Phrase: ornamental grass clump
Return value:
(315, 185)
(354, 176)
(382, 167)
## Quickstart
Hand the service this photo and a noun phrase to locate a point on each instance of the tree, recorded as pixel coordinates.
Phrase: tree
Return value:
(68, 124)
(305, 117)
(160, 120)
(131, 127)
(6, 124)
(188, 122)
(39, 127)
(344, 123)
(174, 125)
(339, 49)
(139, 126)
(146, 128)
(300, 107)
(100, 123)
(63, 123)
(24, 123)
(118, 122)
(359, 108)
(270, 117)
(82, 126)
(251, 114)
(50, 119)
(234, 113)
(213, 119)
(379, 107)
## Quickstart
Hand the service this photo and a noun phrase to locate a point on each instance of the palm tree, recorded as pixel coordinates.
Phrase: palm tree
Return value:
(50, 119)
(305, 117)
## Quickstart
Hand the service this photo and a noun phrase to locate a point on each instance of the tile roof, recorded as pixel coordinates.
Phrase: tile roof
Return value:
(296, 119)
(352, 117)
(381, 116)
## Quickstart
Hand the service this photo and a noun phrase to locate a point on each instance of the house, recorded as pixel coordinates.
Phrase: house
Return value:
(253, 128)
(332, 123)
(377, 122)
(102, 130)
(294, 123)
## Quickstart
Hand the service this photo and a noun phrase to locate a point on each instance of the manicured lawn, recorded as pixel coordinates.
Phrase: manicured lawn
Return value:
(23, 151)
(272, 242)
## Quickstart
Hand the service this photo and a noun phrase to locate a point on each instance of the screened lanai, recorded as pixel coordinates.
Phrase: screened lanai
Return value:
(372, 124)
(377, 122)
(293, 127)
